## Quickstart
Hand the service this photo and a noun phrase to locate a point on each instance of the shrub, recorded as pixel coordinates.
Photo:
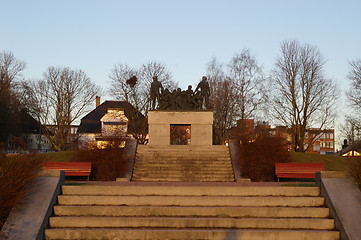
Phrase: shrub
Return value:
(15, 173)
(354, 164)
(259, 153)
(107, 164)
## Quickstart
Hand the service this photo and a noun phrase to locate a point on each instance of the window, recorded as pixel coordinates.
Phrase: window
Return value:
(316, 148)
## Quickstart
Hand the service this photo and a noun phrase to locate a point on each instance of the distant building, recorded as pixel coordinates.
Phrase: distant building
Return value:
(322, 141)
(37, 142)
(110, 121)
(28, 137)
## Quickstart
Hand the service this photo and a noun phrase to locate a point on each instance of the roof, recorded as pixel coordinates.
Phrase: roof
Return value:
(27, 124)
(354, 147)
(91, 122)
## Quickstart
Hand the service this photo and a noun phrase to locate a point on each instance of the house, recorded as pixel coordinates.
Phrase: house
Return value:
(109, 121)
(37, 142)
(353, 150)
(28, 137)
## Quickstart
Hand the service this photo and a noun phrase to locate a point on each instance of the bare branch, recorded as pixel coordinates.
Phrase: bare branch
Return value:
(303, 97)
(60, 99)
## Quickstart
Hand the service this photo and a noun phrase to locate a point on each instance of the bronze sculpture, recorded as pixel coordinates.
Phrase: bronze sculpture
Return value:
(205, 90)
(180, 100)
(155, 90)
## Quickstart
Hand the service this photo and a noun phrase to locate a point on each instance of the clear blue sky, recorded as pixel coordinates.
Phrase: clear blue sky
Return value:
(184, 35)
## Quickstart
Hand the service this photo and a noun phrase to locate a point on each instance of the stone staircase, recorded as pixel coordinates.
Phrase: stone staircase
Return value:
(190, 211)
(183, 163)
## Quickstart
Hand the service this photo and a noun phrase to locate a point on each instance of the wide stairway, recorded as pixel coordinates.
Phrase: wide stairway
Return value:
(183, 163)
(190, 211)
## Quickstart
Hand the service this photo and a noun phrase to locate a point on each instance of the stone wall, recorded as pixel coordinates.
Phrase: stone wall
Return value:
(201, 124)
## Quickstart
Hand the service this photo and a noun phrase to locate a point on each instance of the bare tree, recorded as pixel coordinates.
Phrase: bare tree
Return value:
(303, 96)
(354, 94)
(137, 93)
(221, 121)
(153, 68)
(133, 85)
(236, 95)
(351, 130)
(224, 101)
(10, 72)
(123, 89)
(248, 76)
(58, 100)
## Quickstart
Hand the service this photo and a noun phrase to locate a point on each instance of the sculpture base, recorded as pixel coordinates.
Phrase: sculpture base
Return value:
(192, 127)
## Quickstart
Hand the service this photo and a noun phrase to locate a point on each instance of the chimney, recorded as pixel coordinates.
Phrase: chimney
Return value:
(97, 101)
(345, 145)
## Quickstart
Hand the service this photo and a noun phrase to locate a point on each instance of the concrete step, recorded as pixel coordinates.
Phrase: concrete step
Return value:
(183, 147)
(194, 150)
(182, 167)
(200, 175)
(187, 163)
(190, 234)
(191, 222)
(162, 162)
(190, 211)
(183, 154)
(165, 161)
(181, 163)
(183, 179)
(162, 211)
(172, 172)
(191, 167)
(185, 158)
(141, 200)
(183, 190)
(185, 171)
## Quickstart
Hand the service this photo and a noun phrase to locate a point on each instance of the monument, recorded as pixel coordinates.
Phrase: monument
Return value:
(180, 117)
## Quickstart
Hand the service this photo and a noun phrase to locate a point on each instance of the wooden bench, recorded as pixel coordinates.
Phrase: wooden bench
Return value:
(70, 168)
(298, 170)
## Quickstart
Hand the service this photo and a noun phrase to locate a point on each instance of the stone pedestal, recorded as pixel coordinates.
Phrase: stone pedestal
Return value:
(160, 122)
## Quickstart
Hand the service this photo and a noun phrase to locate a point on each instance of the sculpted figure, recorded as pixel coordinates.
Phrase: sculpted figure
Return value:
(198, 100)
(155, 89)
(178, 99)
(173, 100)
(205, 90)
(190, 99)
(165, 100)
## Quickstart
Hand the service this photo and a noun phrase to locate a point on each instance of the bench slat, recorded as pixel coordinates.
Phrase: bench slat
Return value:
(70, 168)
(298, 170)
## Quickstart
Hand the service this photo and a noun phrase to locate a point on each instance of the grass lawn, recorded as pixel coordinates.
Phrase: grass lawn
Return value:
(332, 163)
(65, 156)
